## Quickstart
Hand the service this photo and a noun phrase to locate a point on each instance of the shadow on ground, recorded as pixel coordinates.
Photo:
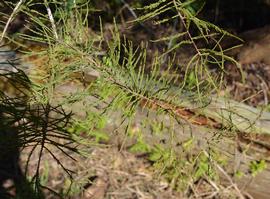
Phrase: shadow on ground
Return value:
(24, 124)
(13, 183)
(13, 107)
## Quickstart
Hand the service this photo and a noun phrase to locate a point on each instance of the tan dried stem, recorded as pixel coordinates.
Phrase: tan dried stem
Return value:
(50, 15)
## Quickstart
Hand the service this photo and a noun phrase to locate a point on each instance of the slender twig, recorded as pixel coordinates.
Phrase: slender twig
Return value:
(230, 180)
(130, 9)
(51, 19)
(265, 89)
(186, 28)
(14, 12)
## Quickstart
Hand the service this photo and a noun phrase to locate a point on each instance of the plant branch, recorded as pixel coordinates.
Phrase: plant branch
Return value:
(14, 12)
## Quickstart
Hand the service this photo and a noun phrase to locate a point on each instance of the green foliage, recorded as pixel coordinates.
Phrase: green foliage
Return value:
(172, 166)
(157, 127)
(188, 144)
(185, 12)
(45, 174)
(121, 82)
(140, 147)
(203, 167)
(71, 188)
(256, 167)
(194, 7)
(182, 168)
(239, 174)
(92, 126)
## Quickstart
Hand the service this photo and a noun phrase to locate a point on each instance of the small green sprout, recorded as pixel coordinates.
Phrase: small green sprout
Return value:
(255, 167)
